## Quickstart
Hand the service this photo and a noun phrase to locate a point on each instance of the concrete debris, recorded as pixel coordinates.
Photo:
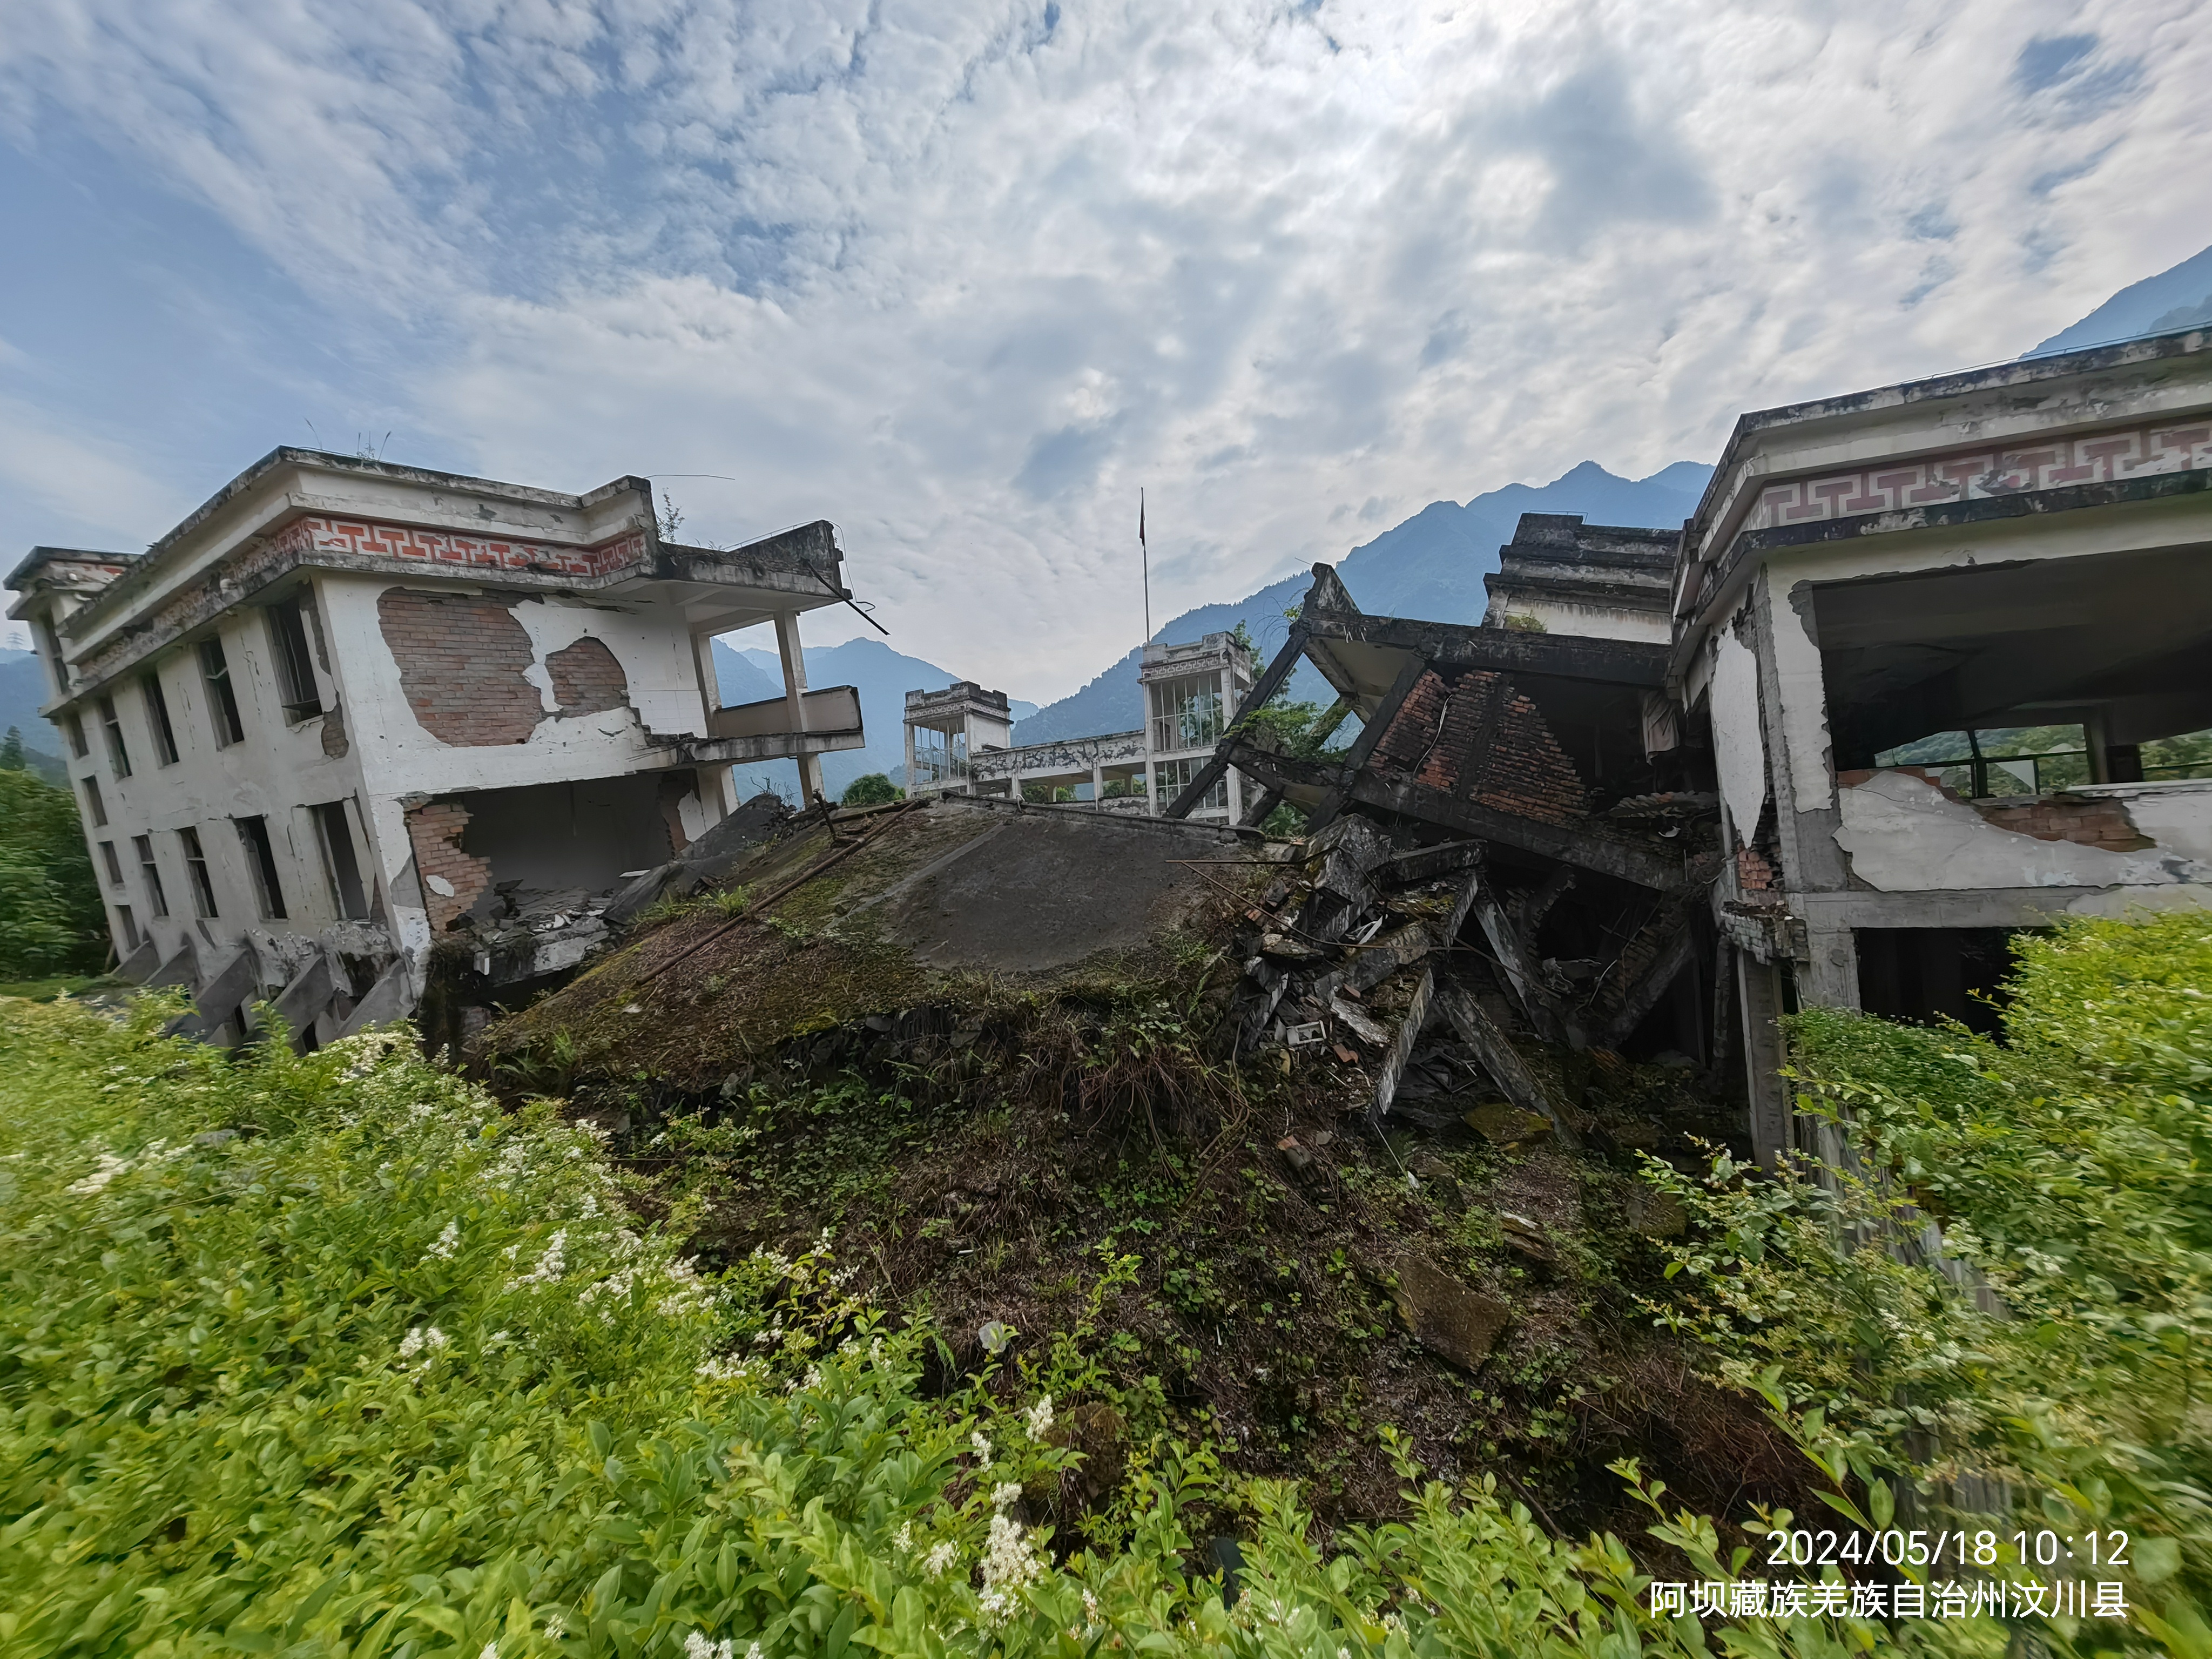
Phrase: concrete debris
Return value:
(1457, 1325)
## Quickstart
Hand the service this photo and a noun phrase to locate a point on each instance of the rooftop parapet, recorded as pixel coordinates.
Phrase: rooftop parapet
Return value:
(1212, 651)
(960, 697)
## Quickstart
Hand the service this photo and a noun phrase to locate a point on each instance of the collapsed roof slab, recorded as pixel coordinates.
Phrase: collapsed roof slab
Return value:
(941, 901)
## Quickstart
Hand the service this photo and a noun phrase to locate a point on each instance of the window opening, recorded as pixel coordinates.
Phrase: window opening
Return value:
(57, 675)
(339, 863)
(129, 925)
(196, 867)
(94, 804)
(1171, 778)
(296, 672)
(107, 856)
(222, 697)
(1187, 714)
(118, 758)
(156, 896)
(261, 863)
(157, 720)
(73, 723)
(1994, 761)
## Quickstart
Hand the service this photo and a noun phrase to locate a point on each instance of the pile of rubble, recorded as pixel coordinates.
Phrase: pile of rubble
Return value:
(1412, 963)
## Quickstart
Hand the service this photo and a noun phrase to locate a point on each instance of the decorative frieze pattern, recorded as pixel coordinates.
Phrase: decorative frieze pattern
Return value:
(1986, 474)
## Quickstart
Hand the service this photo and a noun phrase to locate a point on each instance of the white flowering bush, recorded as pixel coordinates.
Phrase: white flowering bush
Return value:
(330, 1356)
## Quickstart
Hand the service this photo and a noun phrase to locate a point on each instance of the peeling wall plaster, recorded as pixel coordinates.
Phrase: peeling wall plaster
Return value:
(1904, 835)
(1739, 748)
(2177, 816)
(1803, 687)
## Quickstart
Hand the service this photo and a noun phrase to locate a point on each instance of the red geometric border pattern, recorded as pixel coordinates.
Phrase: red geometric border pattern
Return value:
(1981, 474)
(364, 538)
(318, 539)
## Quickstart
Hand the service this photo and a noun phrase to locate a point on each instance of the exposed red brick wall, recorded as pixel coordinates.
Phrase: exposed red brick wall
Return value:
(461, 661)
(587, 678)
(1439, 738)
(2090, 820)
(1754, 873)
(435, 832)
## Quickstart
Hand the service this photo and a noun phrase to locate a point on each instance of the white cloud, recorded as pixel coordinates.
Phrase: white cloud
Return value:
(962, 277)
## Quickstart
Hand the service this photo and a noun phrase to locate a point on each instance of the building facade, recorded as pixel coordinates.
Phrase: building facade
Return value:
(349, 713)
(1937, 637)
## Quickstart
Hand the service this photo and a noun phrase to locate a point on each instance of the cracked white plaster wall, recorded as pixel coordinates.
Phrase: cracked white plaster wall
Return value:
(1738, 748)
(1804, 694)
(1905, 835)
(657, 664)
(2178, 816)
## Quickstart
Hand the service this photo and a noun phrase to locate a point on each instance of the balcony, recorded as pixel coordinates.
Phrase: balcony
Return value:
(761, 730)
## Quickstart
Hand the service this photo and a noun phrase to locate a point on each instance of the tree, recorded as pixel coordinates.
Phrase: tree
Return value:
(870, 789)
(50, 916)
(11, 751)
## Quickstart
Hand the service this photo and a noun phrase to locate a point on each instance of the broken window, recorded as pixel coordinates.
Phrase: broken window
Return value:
(2019, 760)
(157, 720)
(129, 925)
(156, 896)
(1171, 778)
(222, 697)
(261, 864)
(73, 724)
(1186, 713)
(195, 868)
(115, 864)
(117, 757)
(2021, 678)
(296, 669)
(94, 804)
(339, 864)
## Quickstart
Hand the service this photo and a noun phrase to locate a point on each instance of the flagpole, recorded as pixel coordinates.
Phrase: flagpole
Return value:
(1146, 553)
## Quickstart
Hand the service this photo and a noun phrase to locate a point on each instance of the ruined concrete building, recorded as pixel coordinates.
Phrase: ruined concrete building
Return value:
(957, 740)
(349, 715)
(1886, 698)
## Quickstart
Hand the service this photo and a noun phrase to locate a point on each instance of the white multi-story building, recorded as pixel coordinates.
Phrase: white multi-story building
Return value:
(349, 711)
(957, 739)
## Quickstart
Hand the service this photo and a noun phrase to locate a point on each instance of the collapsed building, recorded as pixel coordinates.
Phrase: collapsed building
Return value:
(1776, 759)
(1898, 688)
(348, 716)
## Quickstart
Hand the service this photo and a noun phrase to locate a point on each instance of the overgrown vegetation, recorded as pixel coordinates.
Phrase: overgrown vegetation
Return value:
(2063, 1352)
(51, 918)
(334, 1354)
(870, 789)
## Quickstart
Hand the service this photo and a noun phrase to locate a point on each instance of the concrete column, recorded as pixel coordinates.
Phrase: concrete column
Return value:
(908, 778)
(794, 693)
(1097, 788)
(1758, 993)
(718, 787)
(1831, 980)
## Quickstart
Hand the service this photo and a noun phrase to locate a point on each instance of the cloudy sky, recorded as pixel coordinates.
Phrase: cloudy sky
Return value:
(963, 275)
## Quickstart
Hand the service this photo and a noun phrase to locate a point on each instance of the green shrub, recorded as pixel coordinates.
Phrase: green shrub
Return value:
(2060, 1344)
(329, 1355)
(870, 789)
